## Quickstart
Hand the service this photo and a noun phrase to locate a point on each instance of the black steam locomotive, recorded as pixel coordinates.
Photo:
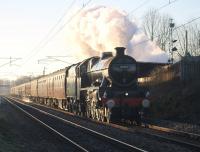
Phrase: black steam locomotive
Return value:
(103, 88)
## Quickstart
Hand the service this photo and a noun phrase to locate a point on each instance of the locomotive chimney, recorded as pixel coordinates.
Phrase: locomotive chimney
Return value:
(120, 51)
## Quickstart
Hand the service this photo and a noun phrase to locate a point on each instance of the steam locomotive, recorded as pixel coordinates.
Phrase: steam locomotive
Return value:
(103, 88)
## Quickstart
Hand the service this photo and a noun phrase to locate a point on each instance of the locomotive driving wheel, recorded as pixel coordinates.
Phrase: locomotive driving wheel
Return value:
(99, 114)
(93, 110)
(88, 110)
(107, 114)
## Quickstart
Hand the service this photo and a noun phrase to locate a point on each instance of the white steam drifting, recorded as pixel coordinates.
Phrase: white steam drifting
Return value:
(101, 29)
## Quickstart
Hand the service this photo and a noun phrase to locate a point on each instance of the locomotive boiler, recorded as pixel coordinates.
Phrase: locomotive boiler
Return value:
(119, 70)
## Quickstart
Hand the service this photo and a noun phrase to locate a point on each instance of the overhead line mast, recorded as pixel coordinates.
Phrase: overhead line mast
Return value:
(11, 60)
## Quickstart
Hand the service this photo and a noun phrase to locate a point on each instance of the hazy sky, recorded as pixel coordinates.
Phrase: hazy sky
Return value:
(25, 23)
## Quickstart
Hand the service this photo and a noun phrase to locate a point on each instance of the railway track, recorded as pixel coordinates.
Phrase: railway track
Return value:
(183, 138)
(166, 134)
(175, 132)
(161, 133)
(78, 147)
(84, 139)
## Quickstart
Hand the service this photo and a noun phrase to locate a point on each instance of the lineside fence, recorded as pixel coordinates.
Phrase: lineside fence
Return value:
(186, 70)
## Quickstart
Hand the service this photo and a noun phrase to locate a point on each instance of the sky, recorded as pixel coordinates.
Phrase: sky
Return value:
(24, 25)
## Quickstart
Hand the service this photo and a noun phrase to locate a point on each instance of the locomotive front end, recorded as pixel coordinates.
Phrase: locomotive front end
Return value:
(122, 69)
(125, 99)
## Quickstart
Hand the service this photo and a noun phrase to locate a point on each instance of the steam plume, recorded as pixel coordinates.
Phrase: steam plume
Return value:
(101, 29)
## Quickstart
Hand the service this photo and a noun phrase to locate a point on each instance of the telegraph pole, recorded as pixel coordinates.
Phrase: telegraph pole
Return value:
(186, 43)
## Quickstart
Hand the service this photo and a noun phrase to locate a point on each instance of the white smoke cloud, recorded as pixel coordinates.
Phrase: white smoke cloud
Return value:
(101, 29)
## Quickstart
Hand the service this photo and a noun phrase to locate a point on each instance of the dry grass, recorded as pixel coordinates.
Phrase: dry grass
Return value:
(176, 100)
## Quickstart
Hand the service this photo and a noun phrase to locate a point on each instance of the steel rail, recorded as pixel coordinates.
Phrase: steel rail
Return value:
(173, 131)
(170, 139)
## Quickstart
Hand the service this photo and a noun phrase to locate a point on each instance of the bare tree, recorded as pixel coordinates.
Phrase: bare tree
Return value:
(156, 27)
(150, 23)
(193, 40)
(163, 32)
